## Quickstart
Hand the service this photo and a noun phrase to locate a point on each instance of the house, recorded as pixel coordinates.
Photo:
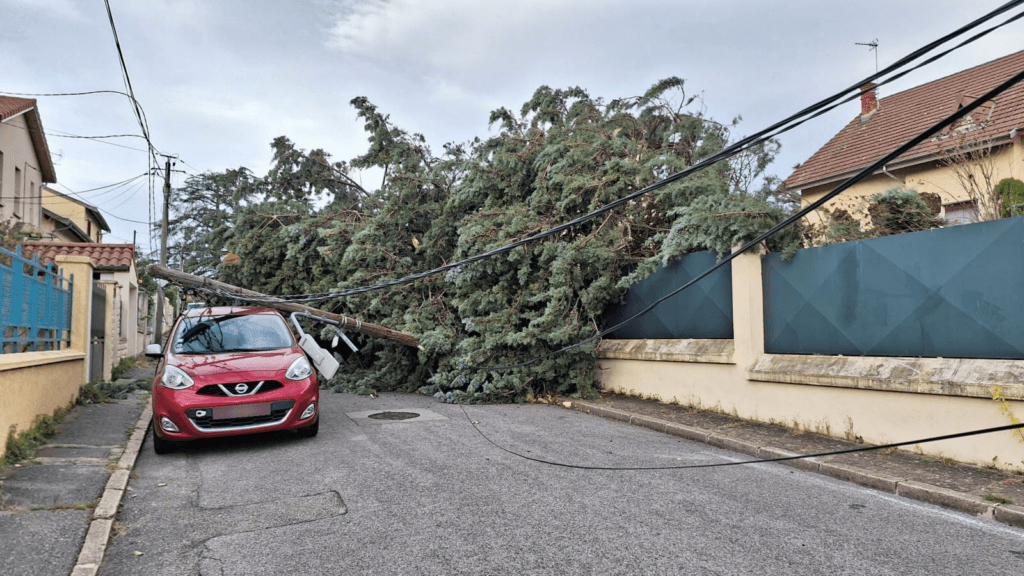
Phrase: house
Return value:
(962, 165)
(25, 164)
(114, 270)
(69, 219)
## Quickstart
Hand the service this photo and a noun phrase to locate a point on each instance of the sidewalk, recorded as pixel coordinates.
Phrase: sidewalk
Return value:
(985, 492)
(64, 496)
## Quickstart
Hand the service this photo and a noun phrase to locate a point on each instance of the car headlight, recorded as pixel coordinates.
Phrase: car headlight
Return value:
(176, 379)
(299, 370)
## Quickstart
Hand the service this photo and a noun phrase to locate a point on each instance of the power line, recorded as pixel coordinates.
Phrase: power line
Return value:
(815, 110)
(744, 462)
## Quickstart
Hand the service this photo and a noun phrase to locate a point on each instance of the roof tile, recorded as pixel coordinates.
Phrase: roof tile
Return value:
(116, 257)
(904, 115)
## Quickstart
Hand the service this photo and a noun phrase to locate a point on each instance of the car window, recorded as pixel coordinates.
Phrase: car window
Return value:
(232, 333)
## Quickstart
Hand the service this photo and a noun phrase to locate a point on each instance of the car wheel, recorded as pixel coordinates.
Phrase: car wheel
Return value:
(161, 446)
(311, 430)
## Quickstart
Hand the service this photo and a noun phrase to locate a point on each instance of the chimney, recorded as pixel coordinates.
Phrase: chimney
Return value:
(868, 101)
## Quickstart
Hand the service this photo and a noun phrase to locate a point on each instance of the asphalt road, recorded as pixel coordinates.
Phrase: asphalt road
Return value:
(431, 496)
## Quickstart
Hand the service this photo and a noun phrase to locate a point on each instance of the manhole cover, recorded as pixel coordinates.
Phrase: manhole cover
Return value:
(393, 415)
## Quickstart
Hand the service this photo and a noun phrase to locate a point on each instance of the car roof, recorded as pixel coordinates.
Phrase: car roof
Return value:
(225, 310)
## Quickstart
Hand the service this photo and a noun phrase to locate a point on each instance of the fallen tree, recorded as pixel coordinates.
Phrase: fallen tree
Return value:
(200, 283)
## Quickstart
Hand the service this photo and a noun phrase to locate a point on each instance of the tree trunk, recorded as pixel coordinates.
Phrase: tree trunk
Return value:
(191, 281)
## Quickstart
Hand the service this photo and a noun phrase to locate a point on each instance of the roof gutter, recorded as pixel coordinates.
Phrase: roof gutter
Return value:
(22, 113)
(899, 164)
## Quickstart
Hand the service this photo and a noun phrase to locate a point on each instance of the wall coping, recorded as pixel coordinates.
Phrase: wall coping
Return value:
(30, 359)
(965, 377)
(692, 350)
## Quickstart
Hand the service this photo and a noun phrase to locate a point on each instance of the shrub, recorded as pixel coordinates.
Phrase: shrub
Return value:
(1010, 192)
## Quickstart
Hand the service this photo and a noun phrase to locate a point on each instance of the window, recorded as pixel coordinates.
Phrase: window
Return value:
(232, 333)
(960, 213)
(17, 192)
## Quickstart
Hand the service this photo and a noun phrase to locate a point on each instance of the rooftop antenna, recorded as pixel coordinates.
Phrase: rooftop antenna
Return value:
(873, 46)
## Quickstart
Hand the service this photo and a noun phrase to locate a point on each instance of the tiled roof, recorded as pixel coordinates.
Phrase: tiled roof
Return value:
(106, 257)
(9, 106)
(902, 116)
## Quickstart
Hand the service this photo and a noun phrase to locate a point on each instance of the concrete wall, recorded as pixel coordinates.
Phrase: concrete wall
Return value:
(874, 399)
(37, 383)
(18, 153)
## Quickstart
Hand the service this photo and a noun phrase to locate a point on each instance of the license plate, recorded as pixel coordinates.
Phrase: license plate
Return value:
(241, 411)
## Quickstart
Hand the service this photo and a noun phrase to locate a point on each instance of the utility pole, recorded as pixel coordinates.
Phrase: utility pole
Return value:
(159, 330)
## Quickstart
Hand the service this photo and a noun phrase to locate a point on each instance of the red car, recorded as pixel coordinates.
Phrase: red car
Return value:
(228, 371)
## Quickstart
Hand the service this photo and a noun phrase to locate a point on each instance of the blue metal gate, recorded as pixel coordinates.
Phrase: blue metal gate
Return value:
(703, 310)
(956, 292)
(35, 305)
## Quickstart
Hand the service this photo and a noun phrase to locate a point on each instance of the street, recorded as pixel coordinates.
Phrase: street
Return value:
(431, 496)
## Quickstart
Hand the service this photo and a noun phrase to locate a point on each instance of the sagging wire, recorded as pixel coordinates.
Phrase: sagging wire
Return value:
(772, 131)
(935, 129)
(476, 427)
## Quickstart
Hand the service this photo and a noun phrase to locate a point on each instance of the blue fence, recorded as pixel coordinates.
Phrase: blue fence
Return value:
(35, 305)
(703, 310)
(956, 292)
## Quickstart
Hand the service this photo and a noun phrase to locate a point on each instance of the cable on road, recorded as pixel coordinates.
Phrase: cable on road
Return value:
(476, 427)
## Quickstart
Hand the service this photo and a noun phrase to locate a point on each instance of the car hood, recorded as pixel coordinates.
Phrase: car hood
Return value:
(244, 365)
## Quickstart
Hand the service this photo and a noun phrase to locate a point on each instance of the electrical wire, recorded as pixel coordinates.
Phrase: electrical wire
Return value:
(864, 173)
(772, 131)
(744, 462)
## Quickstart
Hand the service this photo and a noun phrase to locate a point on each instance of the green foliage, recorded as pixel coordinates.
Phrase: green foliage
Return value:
(22, 446)
(122, 367)
(308, 227)
(100, 392)
(900, 210)
(1010, 191)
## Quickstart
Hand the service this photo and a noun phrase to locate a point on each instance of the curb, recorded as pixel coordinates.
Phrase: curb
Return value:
(960, 501)
(91, 555)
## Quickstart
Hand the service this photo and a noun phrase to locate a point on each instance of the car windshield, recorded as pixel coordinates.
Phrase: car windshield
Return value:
(232, 333)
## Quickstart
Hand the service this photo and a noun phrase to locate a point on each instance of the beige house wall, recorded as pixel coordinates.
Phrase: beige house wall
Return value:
(878, 400)
(73, 211)
(18, 153)
(33, 384)
(1006, 162)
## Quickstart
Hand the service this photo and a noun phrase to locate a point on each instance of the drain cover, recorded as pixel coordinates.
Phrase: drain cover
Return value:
(393, 415)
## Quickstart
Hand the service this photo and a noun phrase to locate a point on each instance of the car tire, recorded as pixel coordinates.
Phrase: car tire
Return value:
(311, 430)
(161, 446)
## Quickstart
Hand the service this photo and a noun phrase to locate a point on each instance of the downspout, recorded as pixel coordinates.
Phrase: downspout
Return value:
(890, 175)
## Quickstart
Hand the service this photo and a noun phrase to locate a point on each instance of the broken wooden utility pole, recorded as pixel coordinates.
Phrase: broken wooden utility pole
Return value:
(198, 282)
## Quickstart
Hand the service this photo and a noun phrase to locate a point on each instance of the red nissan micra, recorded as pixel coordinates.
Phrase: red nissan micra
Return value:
(228, 371)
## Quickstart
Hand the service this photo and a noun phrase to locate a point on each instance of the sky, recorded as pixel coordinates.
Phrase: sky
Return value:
(219, 80)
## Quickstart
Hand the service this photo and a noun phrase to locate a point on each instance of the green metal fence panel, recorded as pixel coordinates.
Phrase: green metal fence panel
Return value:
(35, 305)
(703, 310)
(955, 292)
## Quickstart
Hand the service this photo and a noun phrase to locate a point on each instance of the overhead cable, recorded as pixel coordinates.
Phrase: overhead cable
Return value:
(770, 132)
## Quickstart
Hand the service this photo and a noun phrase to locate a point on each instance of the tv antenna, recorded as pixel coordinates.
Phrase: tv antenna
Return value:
(873, 46)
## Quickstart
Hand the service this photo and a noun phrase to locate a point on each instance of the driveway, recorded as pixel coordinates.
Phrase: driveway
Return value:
(431, 496)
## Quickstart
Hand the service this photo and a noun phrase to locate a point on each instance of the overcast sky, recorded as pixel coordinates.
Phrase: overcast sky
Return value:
(219, 80)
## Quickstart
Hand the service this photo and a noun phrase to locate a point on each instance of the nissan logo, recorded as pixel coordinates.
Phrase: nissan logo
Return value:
(241, 388)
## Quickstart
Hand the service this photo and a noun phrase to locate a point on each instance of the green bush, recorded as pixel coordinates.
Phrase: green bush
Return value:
(1010, 191)
(22, 446)
(900, 210)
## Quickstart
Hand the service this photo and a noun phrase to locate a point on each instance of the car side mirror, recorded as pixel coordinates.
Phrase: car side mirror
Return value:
(153, 351)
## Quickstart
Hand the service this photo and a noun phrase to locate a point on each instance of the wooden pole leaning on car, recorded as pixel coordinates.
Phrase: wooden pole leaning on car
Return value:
(198, 282)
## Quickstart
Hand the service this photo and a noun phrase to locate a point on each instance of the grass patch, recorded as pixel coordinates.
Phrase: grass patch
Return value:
(997, 498)
(23, 446)
(99, 392)
(124, 365)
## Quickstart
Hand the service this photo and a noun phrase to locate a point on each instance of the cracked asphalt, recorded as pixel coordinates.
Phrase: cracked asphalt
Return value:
(430, 496)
